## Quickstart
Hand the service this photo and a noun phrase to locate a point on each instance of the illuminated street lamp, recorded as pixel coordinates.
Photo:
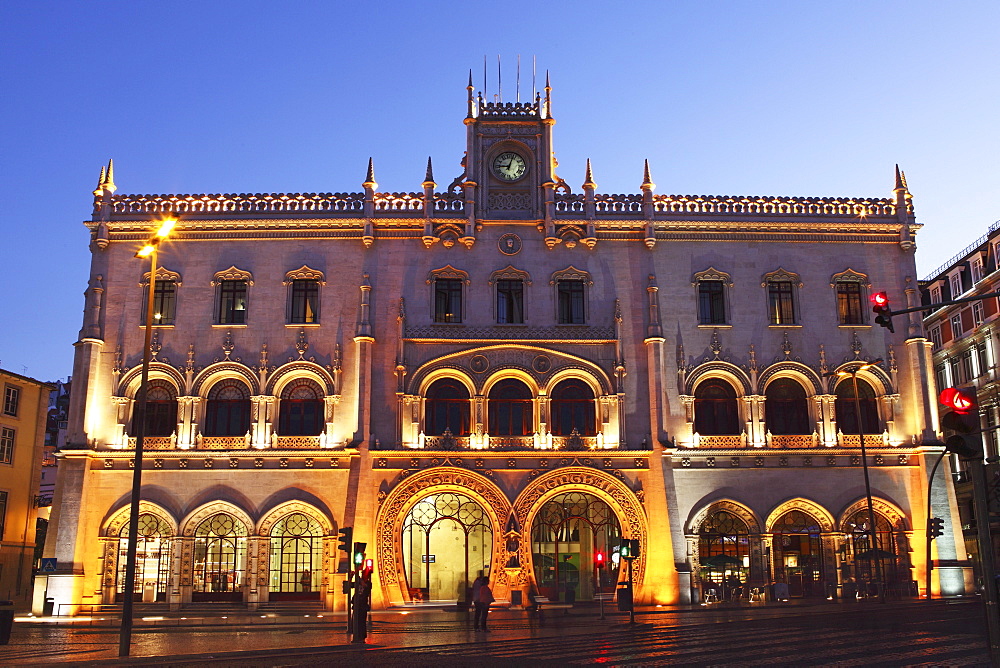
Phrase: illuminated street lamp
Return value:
(872, 549)
(148, 250)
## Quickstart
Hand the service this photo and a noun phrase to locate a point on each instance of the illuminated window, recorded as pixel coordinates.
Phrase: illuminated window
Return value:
(447, 300)
(164, 302)
(781, 299)
(232, 302)
(304, 308)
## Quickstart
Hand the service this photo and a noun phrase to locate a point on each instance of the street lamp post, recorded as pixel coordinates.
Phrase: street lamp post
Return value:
(872, 549)
(148, 250)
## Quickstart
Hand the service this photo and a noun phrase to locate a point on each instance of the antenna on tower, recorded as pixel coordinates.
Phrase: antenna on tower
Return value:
(484, 78)
(533, 77)
(499, 80)
(518, 86)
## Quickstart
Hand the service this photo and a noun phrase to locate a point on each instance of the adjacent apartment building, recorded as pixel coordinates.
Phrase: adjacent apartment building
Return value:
(25, 403)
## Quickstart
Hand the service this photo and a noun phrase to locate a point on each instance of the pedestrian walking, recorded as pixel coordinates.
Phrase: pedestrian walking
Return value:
(482, 603)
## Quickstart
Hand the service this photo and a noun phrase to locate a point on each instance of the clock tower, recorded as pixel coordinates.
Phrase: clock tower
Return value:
(510, 167)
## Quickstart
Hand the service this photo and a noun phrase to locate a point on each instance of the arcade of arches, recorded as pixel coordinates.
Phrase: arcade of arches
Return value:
(801, 548)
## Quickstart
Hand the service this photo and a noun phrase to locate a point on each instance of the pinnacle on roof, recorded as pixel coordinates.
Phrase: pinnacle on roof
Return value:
(429, 176)
(899, 180)
(109, 182)
(100, 183)
(370, 177)
(647, 181)
(588, 181)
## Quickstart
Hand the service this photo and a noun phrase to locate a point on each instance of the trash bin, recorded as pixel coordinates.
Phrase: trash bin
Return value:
(6, 620)
(624, 593)
(571, 595)
(48, 606)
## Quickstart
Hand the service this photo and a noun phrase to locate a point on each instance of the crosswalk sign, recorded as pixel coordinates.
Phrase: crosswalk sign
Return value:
(48, 565)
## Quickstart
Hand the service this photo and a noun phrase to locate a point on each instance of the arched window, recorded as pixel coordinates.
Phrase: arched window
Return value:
(798, 554)
(715, 409)
(447, 408)
(786, 410)
(510, 408)
(847, 407)
(152, 557)
(296, 558)
(724, 548)
(572, 406)
(227, 412)
(301, 409)
(890, 550)
(161, 409)
(220, 548)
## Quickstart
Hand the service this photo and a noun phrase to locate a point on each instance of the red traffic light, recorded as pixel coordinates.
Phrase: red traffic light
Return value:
(599, 560)
(880, 299)
(959, 399)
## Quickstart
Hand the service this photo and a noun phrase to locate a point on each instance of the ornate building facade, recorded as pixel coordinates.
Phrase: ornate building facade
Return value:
(503, 375)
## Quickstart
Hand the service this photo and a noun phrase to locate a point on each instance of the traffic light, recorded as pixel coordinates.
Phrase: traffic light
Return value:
(369, 567)
(359, 554)
(935, 527)
(883, 314)
(599, 560)
(963, 418)
(345, 539)
(630, 548)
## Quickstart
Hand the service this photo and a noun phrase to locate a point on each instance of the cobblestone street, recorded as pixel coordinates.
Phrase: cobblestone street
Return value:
(897, 634)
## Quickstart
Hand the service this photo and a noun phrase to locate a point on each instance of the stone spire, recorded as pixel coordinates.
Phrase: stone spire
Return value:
(99, 190)
(429, 176)
(109, 182)
(588, 181)
(370, 183)
(471, 113)
(647, 181)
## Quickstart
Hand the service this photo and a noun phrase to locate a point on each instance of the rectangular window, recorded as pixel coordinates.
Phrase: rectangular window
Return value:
(849, 303)
(3, 512)
(305, 300)
(941, 376)
(711, 303)
(510, 302)
(232, 302)
(977, 313)
(6, 445)
(936, 295)
(956, 285)
(990, 432)
(164, 303)
(935, 338)
(781, 302)
(571, 300)
(977, 270)
(968, 371)
(956, 326)
(447, 300)
(982, 359)
(956, 371)
(11, 399)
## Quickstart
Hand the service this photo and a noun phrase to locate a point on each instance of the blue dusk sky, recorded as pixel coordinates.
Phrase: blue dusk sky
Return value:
(797, 98)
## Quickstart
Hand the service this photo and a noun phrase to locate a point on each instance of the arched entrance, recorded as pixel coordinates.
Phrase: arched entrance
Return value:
(565, 535)
(398, 553)
(447, 541)
(296, 558)
(889, 556)
(152, 566)
(724, 554)
(220, 549)
(798, 554)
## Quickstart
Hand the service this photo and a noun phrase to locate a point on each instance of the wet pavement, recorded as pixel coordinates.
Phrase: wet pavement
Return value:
(863, 633)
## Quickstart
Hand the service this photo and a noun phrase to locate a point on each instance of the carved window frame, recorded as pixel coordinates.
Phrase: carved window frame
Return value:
(449, 273)
(231, 274)
(303, 273)
(510, 273)
(572, 274)
(715, 276)
(850, 276)
(782, 276)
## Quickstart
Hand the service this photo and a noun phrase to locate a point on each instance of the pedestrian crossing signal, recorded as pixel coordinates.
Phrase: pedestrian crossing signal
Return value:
(936, 527)
(629, 548)
(599, 560)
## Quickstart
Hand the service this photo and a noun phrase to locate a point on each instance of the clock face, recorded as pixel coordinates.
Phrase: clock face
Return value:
(509, 166)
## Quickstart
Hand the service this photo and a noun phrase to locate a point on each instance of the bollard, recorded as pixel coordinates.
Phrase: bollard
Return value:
(6, 620)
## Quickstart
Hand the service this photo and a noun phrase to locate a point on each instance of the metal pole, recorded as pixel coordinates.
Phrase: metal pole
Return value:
(125, 637)
(631, 586)
(985, 544)
(600, 595)
(868, 493)
(930, 483)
